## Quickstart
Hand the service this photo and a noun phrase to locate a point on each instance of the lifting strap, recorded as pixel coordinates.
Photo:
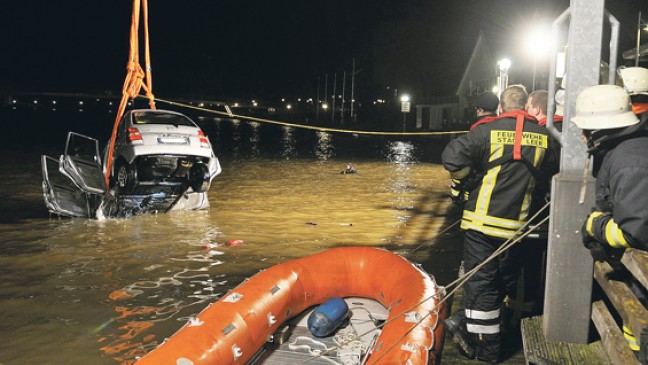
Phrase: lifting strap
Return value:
(134, 77)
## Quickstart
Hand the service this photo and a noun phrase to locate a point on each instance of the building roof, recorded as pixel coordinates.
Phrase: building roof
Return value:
(481, 66)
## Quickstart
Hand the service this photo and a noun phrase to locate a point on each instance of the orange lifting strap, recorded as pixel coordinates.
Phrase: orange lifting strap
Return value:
(134, 77)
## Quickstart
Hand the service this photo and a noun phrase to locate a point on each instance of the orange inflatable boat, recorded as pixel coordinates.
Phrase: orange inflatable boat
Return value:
(235, 329)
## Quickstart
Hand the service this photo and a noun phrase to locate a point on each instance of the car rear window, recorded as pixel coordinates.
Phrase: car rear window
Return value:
(161, 118)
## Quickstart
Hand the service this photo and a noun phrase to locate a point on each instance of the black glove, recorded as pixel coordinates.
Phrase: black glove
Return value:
(458, 192)
(599, 250)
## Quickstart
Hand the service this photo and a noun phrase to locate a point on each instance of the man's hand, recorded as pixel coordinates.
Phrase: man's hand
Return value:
(458, 194)
(598, 249)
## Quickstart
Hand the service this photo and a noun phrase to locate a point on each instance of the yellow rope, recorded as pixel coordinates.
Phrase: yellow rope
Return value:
(321, 129)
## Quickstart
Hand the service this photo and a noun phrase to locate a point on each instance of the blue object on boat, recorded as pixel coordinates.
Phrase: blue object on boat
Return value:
(326, 318)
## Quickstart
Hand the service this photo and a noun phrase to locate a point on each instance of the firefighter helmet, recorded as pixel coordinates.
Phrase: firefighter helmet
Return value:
(604, 107)
(635, 79)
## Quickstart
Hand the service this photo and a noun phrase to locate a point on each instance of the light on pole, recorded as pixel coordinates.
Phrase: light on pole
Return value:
(641, 25)
(538, 45)
(405, 108)
(502, 80)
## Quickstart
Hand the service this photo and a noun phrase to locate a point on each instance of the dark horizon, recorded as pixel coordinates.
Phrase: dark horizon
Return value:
(259, 49)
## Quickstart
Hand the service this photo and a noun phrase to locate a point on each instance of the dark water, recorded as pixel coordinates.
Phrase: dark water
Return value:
(76, 291)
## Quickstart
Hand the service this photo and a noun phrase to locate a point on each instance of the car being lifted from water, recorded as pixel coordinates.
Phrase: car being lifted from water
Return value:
(162, 161)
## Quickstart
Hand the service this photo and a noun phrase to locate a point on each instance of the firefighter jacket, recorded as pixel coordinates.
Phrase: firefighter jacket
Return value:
(621, 216)
(506, 157)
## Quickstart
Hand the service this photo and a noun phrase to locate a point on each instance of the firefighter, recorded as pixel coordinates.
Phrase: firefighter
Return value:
(486, 105)
(536, 106)
(635, 82)
(495, 166)
(618, 141)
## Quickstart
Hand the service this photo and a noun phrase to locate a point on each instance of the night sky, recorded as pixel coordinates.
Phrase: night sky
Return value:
(262, 48)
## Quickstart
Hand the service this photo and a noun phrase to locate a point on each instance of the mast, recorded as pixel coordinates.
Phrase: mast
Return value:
(317, 100)
(352, 89)
(333, 103)
(343, 88)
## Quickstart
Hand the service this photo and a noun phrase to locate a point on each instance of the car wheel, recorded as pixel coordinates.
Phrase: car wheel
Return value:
(126, 177)
(199, 178)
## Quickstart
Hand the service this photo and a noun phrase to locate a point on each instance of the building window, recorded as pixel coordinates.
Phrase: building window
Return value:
(479, 86)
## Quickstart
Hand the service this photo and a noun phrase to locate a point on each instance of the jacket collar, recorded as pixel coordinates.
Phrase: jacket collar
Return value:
(543, 121)
(639, 108)
(512, 114)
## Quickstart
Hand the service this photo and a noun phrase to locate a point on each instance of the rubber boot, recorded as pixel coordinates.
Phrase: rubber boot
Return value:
(457, 327)
(488, 347)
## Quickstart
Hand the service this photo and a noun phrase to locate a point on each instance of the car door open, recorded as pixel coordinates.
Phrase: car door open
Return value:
(73, 185)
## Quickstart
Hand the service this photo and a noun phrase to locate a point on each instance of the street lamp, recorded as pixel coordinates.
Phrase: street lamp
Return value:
(538, 45)
(640, 24)
(502, 80)
(405, 108)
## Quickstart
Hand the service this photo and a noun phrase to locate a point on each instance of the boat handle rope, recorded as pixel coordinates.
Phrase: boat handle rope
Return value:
(302, 126)
(457, 284)
(312, 350)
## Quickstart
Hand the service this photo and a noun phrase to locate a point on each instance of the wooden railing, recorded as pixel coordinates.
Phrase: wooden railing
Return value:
(623, 304)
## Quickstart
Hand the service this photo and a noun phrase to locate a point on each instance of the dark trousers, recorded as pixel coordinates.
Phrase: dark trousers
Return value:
(484, 292)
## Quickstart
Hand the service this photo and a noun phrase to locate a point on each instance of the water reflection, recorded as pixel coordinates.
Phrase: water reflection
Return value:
(254, 138)
(287, 142)
(400, 152)
(401, 155)
(324, 146)
(81, 291)
(236, 137)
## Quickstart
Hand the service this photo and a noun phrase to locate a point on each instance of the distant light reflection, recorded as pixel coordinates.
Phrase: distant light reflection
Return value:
(236, 137)
(324, 147)
(401, 155)
(254, 138)
(400, 152)
(287, 142)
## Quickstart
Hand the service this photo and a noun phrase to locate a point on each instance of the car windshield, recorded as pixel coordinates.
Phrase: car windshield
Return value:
(161, 118)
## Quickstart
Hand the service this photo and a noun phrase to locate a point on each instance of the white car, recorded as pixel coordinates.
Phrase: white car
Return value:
(162, 161)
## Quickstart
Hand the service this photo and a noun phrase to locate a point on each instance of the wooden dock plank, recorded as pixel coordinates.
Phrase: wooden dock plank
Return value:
(538, 350)
(633, 313)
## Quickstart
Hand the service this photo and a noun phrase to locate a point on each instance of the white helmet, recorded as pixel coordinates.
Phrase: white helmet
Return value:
(604, 107)
(635, 79)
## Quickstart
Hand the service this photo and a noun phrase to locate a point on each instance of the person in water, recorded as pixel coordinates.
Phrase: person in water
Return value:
(349, 169)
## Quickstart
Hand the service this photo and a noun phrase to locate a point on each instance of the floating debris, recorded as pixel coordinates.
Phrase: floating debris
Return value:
(234, 243)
